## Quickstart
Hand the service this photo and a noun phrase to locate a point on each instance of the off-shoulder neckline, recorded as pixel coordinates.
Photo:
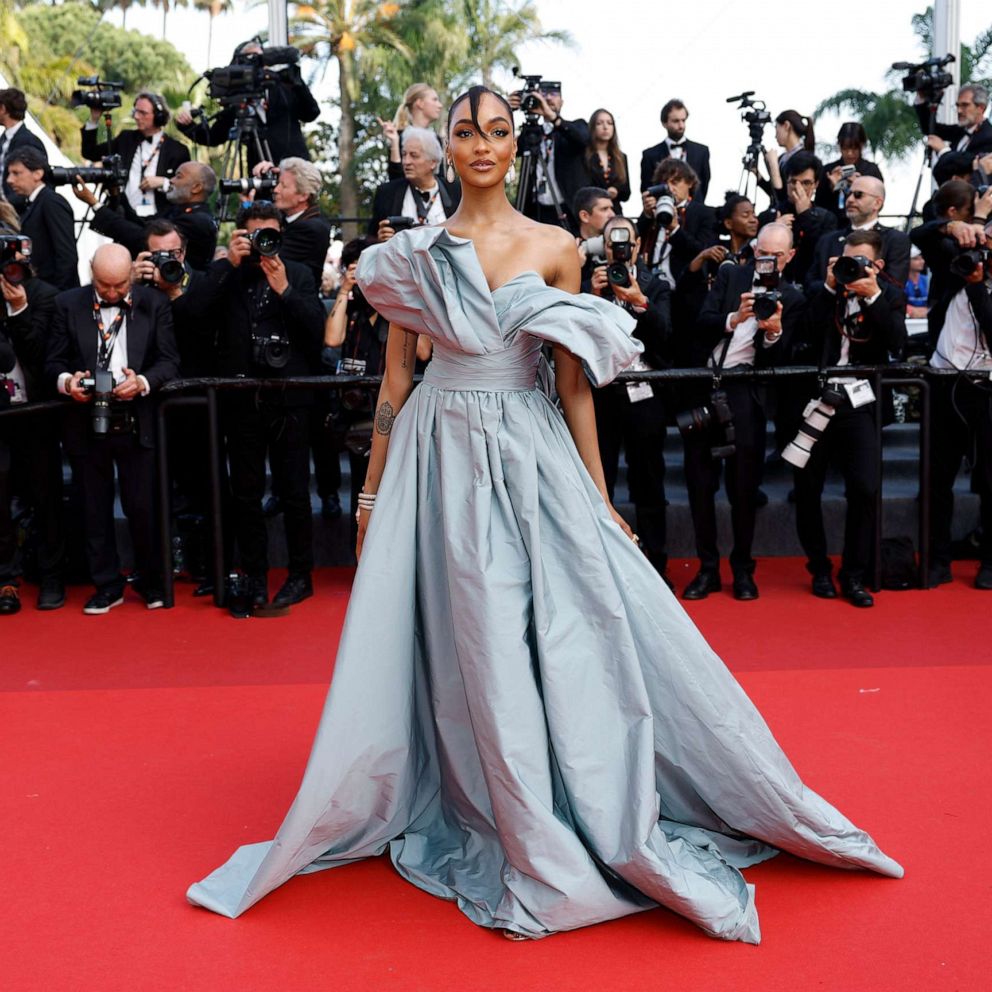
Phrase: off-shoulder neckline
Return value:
(458, 239)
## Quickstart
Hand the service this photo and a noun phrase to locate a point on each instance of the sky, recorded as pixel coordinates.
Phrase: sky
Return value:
(630, 56)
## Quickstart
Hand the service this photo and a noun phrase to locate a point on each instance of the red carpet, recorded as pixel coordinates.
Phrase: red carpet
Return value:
(137, 750)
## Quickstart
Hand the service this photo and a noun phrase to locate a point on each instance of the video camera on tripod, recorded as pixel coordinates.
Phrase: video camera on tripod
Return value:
(97, 94)
(926, 78)
(755, 115)
(246, 78)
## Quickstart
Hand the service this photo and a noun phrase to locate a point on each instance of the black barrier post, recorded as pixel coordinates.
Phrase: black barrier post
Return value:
(924, 499)
(876, 584)
(216, 497)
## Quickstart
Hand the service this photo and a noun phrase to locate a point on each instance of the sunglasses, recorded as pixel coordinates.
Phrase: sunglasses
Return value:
(858, 194)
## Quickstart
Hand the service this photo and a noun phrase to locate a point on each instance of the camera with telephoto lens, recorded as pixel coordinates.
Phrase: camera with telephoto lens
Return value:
(246, 78)
(715, 418)
(15, 270)
(111, 173)
(622, 248)
(965, 264)
(265, 242)
(816, 419)
(100, 94)
(926, 78)
(101, 387)
(766, 302)
(851, 268)
(260, 184)
(664, 208)
(170, 269)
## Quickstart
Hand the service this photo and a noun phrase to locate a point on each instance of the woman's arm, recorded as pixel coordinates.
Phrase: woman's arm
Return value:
(397, 384)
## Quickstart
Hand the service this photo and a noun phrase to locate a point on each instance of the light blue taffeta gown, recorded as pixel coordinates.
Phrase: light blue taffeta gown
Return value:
(520, 709)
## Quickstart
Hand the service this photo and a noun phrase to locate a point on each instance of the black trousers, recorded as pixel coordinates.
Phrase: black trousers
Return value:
(93, 463)
(851, 444)
(252, 428)
(961, 427)
(639, 428)
(742, 476)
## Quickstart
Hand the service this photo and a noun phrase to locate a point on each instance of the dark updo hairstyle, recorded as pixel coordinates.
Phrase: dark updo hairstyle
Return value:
(852, 133)
(474, 96)
(731, 201)
(803, 126)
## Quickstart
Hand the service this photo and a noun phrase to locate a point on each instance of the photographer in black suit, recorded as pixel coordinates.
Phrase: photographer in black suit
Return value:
(972, 133)
(287, 104)
(149, 155)
(593, 207)
(13, 109)
(674, 116)
(272, 328)
(960, 337)
(30, 456)
(561, 170)
(189, 210)
(125, 330)
(855, 319)
(47, 220)
(632, 415)
(729, 334)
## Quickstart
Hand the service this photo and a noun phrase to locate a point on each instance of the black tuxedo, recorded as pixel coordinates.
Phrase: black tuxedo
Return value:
(306, 240)
(48, 222)
(807, 229)
(569, 140)
(827, 198)
(979, 143)
(171, 155)
(895, 251)
(697, 230)
(28, 332)
(194, 221)
(389, 197)
(23, 138)
(151, 352)
(697, 155)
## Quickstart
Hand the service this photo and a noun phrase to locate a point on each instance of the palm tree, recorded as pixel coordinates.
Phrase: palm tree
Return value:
(340, 31)
(888, 118)
(496, 30)
(214, 8)
(166, 6)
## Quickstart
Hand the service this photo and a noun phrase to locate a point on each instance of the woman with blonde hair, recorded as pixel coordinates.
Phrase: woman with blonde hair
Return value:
(421, 107)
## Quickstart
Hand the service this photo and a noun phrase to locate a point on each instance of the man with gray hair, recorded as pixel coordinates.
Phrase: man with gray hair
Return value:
(972, 133)
(421, 196)
(307, 235)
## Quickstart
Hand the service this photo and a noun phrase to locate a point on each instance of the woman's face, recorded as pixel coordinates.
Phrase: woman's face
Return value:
(849, 154)
(743, 221)
(603, 127)
(481, 158)
(430, 105)
(783, 134)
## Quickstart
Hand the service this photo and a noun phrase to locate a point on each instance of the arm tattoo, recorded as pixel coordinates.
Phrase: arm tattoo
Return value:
(384, 418)
(406, 341)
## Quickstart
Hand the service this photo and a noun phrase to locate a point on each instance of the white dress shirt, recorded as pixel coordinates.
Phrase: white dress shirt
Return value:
(435, 213)
(960, 345)
(118, 352)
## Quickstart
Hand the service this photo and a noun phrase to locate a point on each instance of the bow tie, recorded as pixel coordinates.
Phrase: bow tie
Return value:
(124, 304)
(676, 144)
(425, 194)
(149, 138)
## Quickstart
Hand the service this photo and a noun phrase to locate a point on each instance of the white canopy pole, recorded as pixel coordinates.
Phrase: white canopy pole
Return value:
(278, 23)
(947, 40)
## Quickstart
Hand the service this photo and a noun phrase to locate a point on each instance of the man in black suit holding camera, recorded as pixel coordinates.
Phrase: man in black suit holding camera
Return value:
(676, 145)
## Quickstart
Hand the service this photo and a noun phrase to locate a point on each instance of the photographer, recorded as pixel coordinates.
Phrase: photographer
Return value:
(955, 247)
(729, 333)
(188, 209)
(30, 456)
(283, 103)
(675, 227)
(831, 194)
(421, 196)
(560, 170)
(149, 155)
(673, 118)
(633, 414)
(13, 108)
(120, 332)
(972, 133)
(855, 319)
(272, 322)
(794, 133)
(593, 208)
(46, 220)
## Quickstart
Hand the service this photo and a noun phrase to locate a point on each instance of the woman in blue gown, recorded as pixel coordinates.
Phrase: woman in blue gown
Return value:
(520, 711)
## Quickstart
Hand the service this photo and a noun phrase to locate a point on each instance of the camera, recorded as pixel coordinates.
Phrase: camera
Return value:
(13, 269)
(851, 268)
(595, 249)
(170, 269)
(755, 115)
(400, 223)
(816, 419)
(101, 387)
(846, 174)
(271, 350)
(265, 242)
(617, 273)
(965, 264)
(926, 78)
(100, 94)
(260, 184)
(664, 208)
(766, 303)
(246, 78)
(110, 173)
(716, 417)
(530, 104)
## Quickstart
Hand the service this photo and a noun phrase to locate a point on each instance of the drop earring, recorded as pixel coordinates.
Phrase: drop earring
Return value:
(511, 174)
(449, 172)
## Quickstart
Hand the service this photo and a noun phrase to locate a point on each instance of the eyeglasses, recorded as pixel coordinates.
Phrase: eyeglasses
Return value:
(859, 194)
(964, 103)
(806, 183)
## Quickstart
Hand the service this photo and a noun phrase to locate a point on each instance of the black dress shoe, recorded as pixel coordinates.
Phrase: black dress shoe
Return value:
(702, 585)
(295, 589)
(103, 601)
(330, 507)
(744, 587)
(984, 578)
(152, 595)
(205, 588)
(938, 575)
(256, 588)
(10, 601)
(272, 506)
(823, 586)
(857, 595)
(51, 594)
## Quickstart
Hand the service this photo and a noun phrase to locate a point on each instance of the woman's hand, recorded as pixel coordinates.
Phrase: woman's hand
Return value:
(622, 524)
(362, 517)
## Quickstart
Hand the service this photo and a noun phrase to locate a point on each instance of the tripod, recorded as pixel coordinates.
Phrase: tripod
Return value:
(532, 148)
(747, 185)
(245, 132)
(927, 159)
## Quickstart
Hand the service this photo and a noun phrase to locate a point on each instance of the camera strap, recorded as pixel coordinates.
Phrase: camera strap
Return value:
(108, 336)
(718, 368)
